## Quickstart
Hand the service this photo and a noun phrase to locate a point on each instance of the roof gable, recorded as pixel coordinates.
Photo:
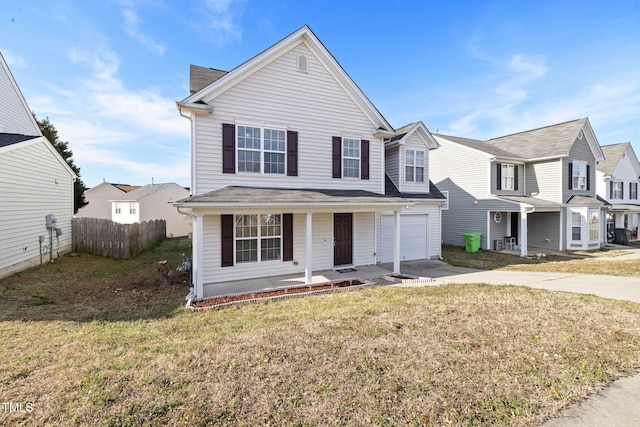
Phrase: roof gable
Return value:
(479, 146)
(305, 36)
(614, 154)
(15, 114)
(549, 141)
(145, 191)
(418, 128)
(30, 140)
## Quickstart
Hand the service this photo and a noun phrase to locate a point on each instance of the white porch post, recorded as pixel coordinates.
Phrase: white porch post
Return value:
(197, 275)
(396, 243)
(308, 263)
(523, 232)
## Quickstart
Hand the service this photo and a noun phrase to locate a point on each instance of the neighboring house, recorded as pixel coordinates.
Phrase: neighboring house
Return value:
(617, 183)
(99, 199)
(35, 182)
(154, 201)
(288, 171)
(535, 188)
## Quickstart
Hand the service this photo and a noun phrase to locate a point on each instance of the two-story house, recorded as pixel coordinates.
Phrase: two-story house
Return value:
(151, 202)
(530, 189)
(288, 171)
(617, 183)
(99, 199)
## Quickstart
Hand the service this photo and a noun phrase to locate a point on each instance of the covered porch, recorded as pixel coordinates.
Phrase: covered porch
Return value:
(311, 235)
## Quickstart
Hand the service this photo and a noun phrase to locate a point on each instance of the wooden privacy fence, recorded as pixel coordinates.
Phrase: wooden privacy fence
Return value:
(119, 241)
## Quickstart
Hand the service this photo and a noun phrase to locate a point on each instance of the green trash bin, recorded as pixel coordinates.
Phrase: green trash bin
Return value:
(472, 241)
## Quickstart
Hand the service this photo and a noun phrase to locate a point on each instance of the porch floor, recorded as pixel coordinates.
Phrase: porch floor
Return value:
(367, 272)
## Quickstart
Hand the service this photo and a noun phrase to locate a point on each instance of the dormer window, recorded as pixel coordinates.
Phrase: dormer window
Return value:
(508, 176)
(414, 166)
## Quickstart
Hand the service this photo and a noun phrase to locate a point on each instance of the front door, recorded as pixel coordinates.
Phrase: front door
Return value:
(342, 238)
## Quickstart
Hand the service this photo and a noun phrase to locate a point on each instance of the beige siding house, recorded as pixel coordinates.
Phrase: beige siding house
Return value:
(288, 171)
(150, 202)
(530, 189)
(36, 184)
(99, 199)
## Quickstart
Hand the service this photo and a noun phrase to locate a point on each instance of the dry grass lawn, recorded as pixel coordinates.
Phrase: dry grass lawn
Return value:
(95, 342)
(600, 262)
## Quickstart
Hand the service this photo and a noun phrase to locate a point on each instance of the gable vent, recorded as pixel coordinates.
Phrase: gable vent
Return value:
(303, 64)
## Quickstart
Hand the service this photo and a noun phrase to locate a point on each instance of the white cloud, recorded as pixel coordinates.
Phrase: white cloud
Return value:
(527, 67)
(13, 60)
(218, 24)
(132, 26)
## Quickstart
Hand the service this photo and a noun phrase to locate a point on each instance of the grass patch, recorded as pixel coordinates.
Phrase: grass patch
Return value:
(455, 354)
(600, 262)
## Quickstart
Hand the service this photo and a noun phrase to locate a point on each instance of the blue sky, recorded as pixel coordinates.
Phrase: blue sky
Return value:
(108, 73)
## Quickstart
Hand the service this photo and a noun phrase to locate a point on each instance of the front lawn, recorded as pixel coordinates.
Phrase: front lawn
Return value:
(94, 342)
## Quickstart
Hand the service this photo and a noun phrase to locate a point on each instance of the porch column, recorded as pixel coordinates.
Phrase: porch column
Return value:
(523, 232)
(308, 263)
(396, 243)
(197, 275)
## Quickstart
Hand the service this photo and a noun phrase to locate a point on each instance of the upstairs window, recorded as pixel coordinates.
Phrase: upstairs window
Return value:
(118, 209)
(132, 208)
(350, 158)
(414, 166)
(617, 191)
(579, 173)
(633, 190)
(249, 149)
(261, 150)
(508, 176)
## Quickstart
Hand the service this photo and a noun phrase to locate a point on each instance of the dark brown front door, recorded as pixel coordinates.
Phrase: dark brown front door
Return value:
(342, 239)
(515, 221)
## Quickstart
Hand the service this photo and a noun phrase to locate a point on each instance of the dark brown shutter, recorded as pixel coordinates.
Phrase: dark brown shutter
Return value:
(570, 176)
(588, 177)
(287, 237)
(499, 176)
(228, 148)
(515, 177)
(364, 159)
(226, 237)
(292, 153)
(337, 157)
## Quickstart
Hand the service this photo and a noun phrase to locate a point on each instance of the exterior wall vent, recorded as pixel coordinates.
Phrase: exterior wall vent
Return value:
(303, 64)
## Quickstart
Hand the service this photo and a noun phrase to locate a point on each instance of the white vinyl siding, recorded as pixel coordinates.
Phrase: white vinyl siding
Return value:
(277, 96)
(545, 180)
(33, 184)
(15, 116)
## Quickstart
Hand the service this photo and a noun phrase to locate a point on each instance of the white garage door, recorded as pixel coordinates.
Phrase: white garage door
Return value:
(413, 237)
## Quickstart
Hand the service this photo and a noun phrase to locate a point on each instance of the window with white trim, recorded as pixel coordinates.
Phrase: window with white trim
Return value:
(508, 176)
(594, 226)
(261, 150)
(414, 166)
(118, 208)
(616, 189)
(132, 208)
(579, 176)
(350, 158)
(576, 226)
(258, 237)
(633, 190)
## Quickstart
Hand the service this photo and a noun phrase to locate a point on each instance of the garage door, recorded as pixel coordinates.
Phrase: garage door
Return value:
(413, 237)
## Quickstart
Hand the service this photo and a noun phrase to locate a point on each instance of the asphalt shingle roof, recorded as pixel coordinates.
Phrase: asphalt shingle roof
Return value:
(7, 139)
(612, 154)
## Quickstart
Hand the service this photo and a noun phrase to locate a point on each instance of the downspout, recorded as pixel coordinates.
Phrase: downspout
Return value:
(524, 230)
(191, 142)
